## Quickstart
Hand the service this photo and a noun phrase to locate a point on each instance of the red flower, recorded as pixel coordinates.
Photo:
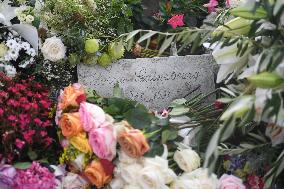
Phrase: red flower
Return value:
(108, 166)
(81, 98)
(38, 121)
(176, 20)
(1, 111)
(219, 105)
(255, 182)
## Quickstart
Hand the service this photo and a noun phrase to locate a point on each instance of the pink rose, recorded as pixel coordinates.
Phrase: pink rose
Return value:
(92, 116)
(103, 141)
(230, 182)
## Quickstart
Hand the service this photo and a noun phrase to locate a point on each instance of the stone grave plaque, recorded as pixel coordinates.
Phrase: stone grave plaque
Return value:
(154, 82)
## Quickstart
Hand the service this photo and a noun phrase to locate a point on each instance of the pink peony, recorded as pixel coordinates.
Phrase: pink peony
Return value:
(211, 5)
(230, 182)
(103, 142)
(176, 20)
(35, 177)
(92, 116)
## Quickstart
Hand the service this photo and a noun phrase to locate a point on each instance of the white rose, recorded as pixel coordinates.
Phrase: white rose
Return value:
(161, 165)
(202, 177)
(187, 159)
(185, 184)
(124, 158)
(116, 183)
(129, 173)
(53, 49)
(74, 181)
(131, 187)
(151, 178)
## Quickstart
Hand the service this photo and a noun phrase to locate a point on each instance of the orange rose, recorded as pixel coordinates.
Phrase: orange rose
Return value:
(133, 143)
(70, 124)
(97, 175)
(70, 96)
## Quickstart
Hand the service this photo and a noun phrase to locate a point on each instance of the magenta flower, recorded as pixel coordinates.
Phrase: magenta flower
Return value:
(211, 5)
(176, 21)
(19, 143)
(35, 177)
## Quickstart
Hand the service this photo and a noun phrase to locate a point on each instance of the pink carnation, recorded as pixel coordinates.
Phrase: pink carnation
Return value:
(35, 177)
(176, 20)
(230, 182)
(103, 142)
(92, 116)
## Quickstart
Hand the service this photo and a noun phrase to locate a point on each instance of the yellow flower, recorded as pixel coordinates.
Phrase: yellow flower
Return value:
(240, 173)
(226, 164)
(81, 143)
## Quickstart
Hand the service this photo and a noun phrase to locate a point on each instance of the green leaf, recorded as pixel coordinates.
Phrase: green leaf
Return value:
(212, 147)
(248, 13)
(22, 165)
(132, 34)
(138, 117)
(117, 91)
(179, 110)
(146, 36)
(167, 42)
(168, 135)
(32, 155)
(239, 107)
(155, 150)
(178, 102)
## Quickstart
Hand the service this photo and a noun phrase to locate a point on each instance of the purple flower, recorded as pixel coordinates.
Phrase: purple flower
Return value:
(7, 173)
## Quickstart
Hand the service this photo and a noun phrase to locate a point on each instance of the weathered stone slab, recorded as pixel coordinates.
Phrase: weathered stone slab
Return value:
(154, 82)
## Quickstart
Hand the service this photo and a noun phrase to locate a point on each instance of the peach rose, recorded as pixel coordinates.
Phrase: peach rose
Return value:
(133, 143)
(70, 124)
(97, 175)
(71, 96)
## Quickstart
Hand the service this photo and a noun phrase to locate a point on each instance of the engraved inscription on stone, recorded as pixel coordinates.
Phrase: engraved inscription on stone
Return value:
(153, 82)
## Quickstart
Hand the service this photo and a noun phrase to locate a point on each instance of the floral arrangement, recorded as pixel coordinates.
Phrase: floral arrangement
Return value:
(26, 128)
(106, 141)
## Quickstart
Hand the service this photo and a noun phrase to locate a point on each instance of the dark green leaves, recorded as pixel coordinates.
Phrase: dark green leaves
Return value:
(138, 117)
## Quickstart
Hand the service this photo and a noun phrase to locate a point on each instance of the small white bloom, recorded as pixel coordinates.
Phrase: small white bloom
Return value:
(31, 52)
(29, 19)
(22, 18)
(25, 45)
(187, 159)
(12, 44)
(53, 49)
(10, 70)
